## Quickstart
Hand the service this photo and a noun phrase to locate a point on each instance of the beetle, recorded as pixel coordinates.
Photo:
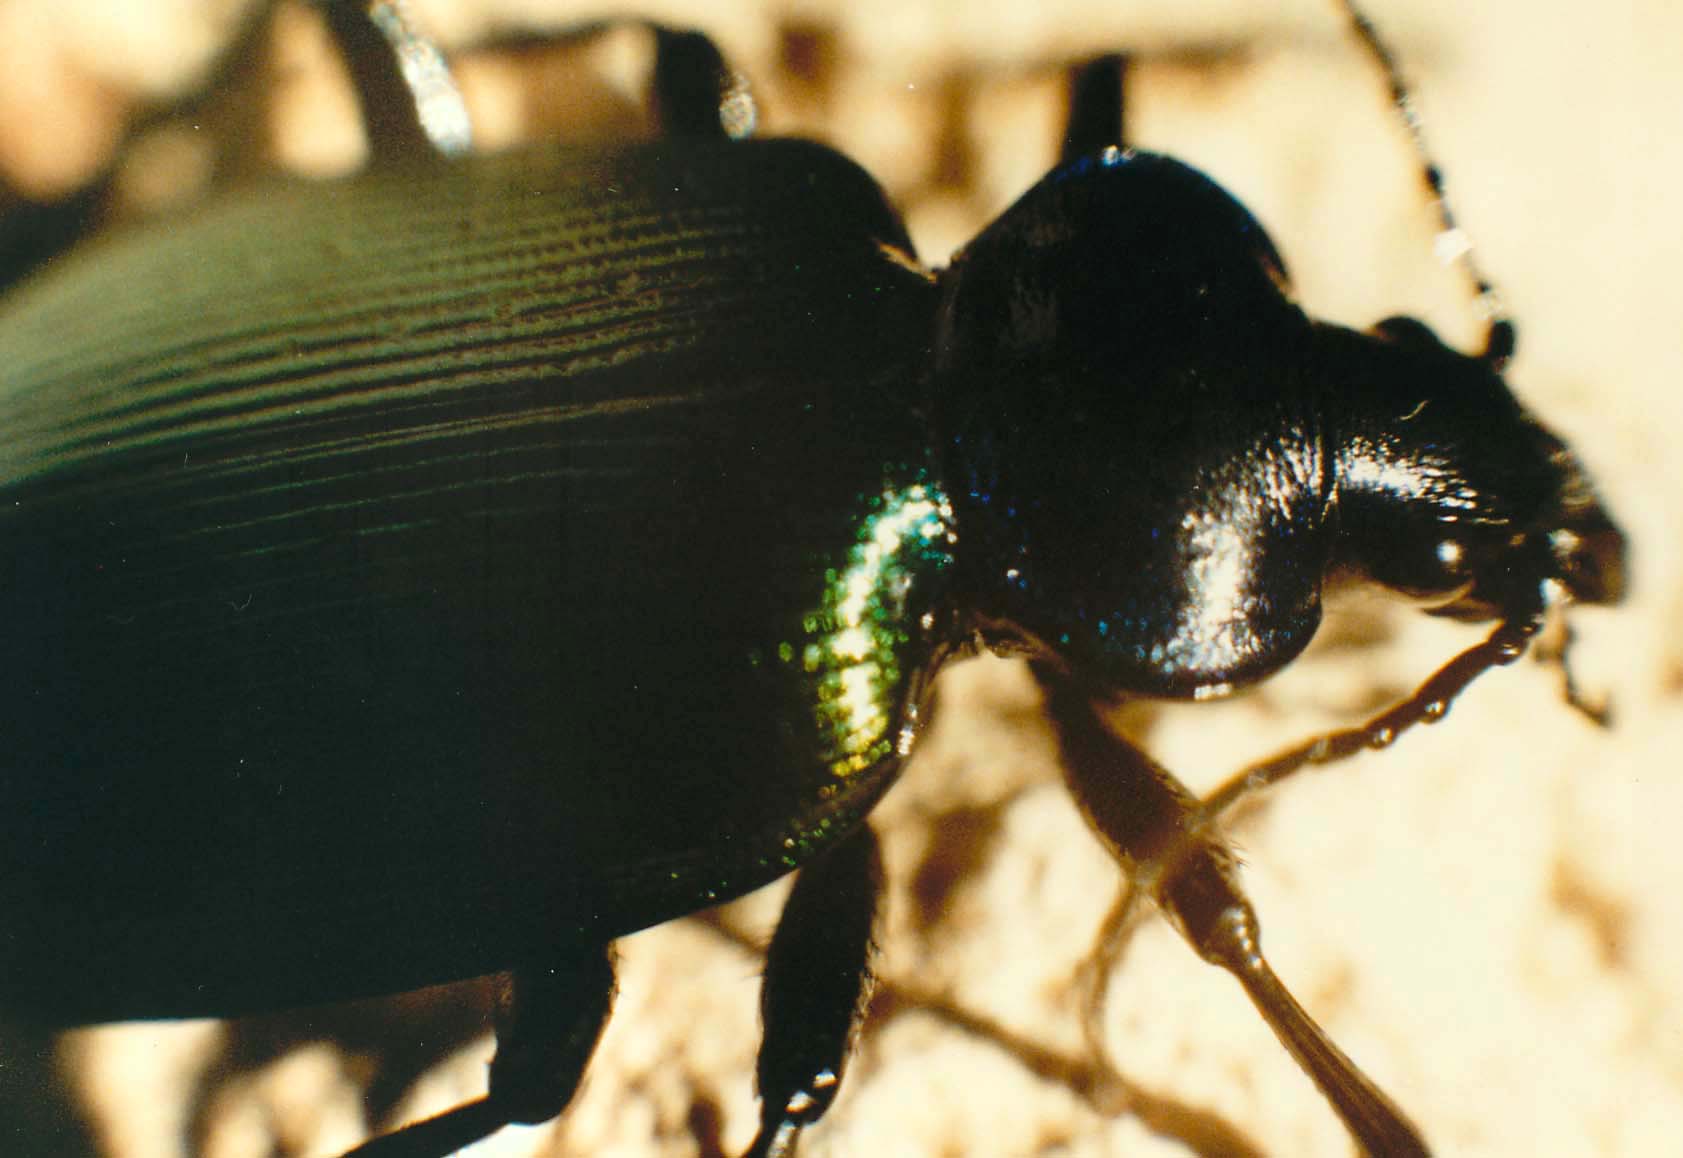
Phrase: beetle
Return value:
(73, 665)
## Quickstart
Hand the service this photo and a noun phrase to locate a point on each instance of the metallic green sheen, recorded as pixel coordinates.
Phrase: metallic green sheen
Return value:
(403, 576)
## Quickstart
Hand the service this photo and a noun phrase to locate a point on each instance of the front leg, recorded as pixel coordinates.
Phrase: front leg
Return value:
(1161, 835)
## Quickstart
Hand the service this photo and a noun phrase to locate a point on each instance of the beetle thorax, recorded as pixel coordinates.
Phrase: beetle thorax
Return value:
(1135, 463)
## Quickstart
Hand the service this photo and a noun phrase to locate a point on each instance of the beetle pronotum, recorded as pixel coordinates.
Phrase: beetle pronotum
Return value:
(1384, 775)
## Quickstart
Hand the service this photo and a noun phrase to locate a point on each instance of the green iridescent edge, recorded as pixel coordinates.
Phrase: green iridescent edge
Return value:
(856, 641)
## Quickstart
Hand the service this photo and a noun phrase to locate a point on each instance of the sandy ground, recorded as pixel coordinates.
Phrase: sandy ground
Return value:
(1482, 915)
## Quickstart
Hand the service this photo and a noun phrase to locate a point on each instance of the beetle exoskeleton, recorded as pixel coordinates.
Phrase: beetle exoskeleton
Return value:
(377, 462)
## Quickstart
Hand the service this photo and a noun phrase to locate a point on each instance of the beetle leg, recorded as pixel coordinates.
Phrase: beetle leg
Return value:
(547, 1026)
(548, 1023)
(1097, 95)
(695, 93)
(1429, 703)
(817, 983)
(1164, 839)
(410, 104)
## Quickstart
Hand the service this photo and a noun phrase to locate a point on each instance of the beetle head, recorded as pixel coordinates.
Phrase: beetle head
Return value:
(1448, 489)
(1155, 459)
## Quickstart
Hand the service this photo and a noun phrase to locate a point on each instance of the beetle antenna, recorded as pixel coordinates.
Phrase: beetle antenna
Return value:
(1429, 703)
(1453, 243)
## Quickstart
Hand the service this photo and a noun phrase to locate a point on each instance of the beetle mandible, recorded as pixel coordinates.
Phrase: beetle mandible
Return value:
(1195, 658)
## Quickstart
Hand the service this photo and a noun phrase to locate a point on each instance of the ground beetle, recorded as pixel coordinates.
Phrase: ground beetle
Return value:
(409, 624)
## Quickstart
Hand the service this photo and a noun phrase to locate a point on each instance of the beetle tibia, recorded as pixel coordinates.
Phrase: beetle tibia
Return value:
(1163, 838)
(1205, 904)
(817, 983)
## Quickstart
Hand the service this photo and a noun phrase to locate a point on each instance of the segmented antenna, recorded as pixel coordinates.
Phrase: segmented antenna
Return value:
(1453, 243)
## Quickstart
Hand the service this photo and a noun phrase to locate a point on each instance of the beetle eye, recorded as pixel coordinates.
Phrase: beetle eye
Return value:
(1435, 571)
(1425, 559)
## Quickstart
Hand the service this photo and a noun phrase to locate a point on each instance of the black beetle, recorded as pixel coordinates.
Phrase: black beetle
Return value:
(294, 677)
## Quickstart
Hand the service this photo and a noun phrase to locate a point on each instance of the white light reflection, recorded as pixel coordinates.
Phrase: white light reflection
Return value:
(864, 624)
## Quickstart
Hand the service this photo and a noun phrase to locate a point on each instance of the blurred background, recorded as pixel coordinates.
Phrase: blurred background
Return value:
(1485, 916)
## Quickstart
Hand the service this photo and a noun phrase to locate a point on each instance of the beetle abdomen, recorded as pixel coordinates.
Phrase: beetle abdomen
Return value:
(388, 560)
